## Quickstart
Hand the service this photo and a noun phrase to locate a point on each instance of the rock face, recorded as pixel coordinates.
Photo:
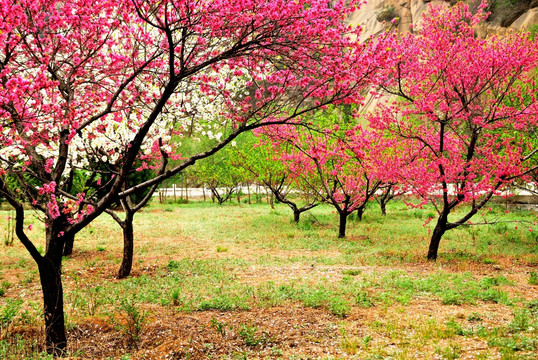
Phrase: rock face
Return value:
(527, 19)
(377, 16)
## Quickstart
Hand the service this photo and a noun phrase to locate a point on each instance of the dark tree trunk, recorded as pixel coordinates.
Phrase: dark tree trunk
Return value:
(68, 247)
(128, 247)
(50, 273)
(438, 232)
(48, 236)
(343, 222)
(360, 212)
(385, 197)
(248, 192)
(296, 215)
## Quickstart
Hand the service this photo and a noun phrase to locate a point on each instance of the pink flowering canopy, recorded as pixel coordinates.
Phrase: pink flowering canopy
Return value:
(115, 82)
(466, 108)
(467, 103)
(91, 91)
(341, 161)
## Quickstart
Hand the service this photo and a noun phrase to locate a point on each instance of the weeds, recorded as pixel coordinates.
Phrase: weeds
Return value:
(18, 348)
(349, 344)
(519, 336)
(175, 295)
(363, 300)
(130, 321)
(4, 286)
(249, 335)
(8, 313)
(533, 278)
(220, 327)
(451, 352)
(9, 236)
(339, 306)
(474, 317)
(87, 300)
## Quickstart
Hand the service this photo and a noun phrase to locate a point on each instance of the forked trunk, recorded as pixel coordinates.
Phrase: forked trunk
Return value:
(128, 247)
(343, 222)
(438, 232)
(50, 273)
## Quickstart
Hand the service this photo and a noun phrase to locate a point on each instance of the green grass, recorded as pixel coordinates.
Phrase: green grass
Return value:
(18, 348)
(201, 257)
(193, 285)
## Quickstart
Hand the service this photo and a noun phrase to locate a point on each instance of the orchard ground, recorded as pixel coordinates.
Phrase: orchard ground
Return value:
(245, 282)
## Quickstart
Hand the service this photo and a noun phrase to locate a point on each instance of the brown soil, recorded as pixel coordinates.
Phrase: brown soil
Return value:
(280, 331)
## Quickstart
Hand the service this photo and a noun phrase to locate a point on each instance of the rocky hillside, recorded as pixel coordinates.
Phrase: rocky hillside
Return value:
(378, 15)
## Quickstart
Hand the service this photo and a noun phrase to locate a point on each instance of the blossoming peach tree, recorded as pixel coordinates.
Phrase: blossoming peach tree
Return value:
(343, 163)
(76, 74)
(469, 107)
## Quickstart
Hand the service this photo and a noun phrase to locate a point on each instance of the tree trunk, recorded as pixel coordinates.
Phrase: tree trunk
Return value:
(438, 233)
(68, 247)
(248, 192)
(128, 247)
(203, 192)
(342, 227)
(296, 215)
(383, 206)
(360, 212)
(50, 273)
(48, 236)
(272, 201)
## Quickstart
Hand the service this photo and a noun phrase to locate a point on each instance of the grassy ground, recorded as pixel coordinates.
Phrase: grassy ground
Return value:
(244, 282)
